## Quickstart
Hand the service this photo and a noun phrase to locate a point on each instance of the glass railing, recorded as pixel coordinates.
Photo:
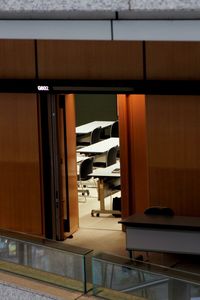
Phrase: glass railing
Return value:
(79, 269)
(120, 278)
(48, 261)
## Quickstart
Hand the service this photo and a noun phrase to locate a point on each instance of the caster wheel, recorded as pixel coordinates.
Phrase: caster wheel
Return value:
(88, 193)
(97, 215)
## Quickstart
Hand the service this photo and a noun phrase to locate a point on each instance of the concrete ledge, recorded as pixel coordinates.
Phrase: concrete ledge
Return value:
(159, 14)
(57, 15)
(99, 9)
(164, 5)
(14, 287)
(67, 5)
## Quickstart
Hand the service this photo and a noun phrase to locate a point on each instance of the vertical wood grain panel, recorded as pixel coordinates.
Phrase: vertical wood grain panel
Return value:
(20, 194)
(174, 152)
(62, 167)
(63, 163)
(133, 153)
(17, 59)
(71, 163)
(173, 60)
(138, 150)
(89, 60)
(124, 153)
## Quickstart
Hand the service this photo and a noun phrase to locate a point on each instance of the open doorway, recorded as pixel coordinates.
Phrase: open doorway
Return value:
(131, 113)
(91, 108)
(132, 159)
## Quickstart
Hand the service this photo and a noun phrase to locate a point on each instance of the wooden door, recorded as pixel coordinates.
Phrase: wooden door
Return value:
(59, 165)
(68, 207)
(133, 153)
(71, 171)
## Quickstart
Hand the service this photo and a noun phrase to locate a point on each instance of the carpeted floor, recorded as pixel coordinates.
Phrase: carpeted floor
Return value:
(102, 233)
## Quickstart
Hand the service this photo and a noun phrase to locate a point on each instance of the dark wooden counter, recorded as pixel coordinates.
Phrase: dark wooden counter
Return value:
(177, 234)
(164, 222)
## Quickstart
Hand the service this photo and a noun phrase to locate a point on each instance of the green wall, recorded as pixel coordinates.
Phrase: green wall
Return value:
(95, 107)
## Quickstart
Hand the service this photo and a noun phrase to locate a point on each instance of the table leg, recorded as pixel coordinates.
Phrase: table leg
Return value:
(101, 193)
(101, 198)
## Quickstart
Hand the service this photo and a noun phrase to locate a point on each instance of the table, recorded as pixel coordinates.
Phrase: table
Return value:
(111, 172)
(176, 234)
(89, 127)
(100, 147)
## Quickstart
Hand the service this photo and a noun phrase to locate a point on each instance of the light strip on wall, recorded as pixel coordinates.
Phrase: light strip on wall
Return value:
(102, 89)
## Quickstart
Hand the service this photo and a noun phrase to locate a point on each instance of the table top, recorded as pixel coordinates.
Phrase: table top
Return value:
(100, 147)
(89, 127)
(162, 222)
(107, 172)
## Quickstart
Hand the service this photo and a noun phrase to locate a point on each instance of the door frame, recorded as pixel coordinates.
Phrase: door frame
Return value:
(53, 88)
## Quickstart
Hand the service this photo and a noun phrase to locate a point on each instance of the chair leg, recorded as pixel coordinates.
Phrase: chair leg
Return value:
(84, 191)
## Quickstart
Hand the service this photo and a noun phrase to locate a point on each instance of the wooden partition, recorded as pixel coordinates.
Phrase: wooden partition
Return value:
(89, 60)
(173, 60)
(21, 205)
(159, 135)
(17, 59)
(124, 154)
(133, 153)
(71, 172)
(173, 126)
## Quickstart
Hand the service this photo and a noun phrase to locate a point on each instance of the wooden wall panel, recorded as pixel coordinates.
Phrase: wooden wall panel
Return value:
(20, 195)
(71, 164)
(173, 124)
(90, 60)
(173, 60)
(124, 150)
(133, 153)
(17, 59)
(138, 150)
